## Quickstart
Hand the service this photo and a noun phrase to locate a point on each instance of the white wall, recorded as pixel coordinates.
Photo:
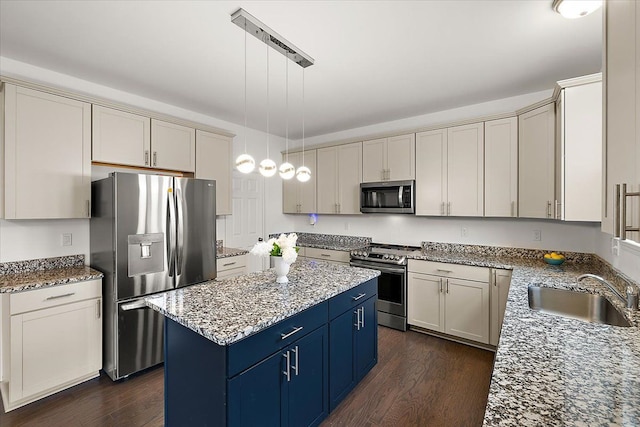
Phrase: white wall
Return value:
(36, 239)
(628, 258)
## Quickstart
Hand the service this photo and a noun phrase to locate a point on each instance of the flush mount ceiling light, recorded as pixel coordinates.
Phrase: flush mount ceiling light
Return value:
(251, 25)
(572, 9)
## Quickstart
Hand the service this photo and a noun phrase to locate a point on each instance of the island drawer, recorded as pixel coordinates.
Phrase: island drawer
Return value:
(251, 350)
(352, 297)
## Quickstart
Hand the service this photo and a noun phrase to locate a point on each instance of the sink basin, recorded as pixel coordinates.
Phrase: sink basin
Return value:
(577, 305)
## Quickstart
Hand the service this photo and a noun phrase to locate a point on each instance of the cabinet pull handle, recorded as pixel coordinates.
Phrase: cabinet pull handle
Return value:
(548, 209)
(616, 213)
(295, 368)
(557, 210)
(362, 317)
(495, 278)
(146, 157)
(88, 208)
(98, 309)
(325, 255)
(447, 285)
(228, 264)
(444, 271)
(357, 324)
(295, 331)
(360, 296)
(440, 285)
(287, 373)
(155, 158)
(623, 226)
(60, 296)
(448, 208)
(442, 208)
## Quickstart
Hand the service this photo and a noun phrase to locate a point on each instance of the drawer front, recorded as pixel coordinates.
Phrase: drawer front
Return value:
(233, 262)
(467, 272)
(54, 295)
(327, 254)
(231, 273)
(249, 351)
(353, 297)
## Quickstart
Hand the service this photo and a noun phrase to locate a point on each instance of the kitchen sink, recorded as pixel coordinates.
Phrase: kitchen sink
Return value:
(577, 305)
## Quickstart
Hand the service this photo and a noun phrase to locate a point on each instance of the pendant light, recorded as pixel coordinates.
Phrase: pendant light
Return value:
(303, 174)
(244, 162)
(287, 170)
(572, 9)
(268, 167)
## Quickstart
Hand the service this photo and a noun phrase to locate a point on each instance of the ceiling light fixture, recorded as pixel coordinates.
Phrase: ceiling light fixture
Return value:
(572, 9)
(258, 29)
(244, 162)
(303, 173)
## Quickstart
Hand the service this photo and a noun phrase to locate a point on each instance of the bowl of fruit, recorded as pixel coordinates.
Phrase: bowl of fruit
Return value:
(554, 258)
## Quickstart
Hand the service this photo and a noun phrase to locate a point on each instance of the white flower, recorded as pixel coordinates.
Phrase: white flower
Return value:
(282, 241)
(289, 255)
(261, 249)
(292, 239)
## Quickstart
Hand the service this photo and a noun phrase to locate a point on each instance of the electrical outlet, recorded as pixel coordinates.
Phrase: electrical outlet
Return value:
(615, 246)
(464, 232)
(537, 235)
(66, 239)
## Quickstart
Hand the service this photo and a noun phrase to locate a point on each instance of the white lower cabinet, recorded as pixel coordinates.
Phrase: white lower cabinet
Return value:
(448, 298)
(54, 338)
(500, 283)
(329, 255)
(231, 266)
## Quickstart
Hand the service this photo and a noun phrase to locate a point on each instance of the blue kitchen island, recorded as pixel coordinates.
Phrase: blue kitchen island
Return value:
(247, 351)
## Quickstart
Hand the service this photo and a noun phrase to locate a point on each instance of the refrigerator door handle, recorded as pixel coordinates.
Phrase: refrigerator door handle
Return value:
(171, 233)
(179, 232)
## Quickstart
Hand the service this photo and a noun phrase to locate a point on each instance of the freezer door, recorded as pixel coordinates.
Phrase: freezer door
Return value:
(144, 233)
(140, 337)
(196, 230)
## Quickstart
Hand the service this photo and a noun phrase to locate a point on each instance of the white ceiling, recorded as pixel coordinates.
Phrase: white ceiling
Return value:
(375, 60)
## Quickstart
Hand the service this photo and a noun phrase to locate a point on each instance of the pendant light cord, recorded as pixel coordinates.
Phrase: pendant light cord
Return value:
(268, 104)
(245, 86)
(302, 116)
(287, 106)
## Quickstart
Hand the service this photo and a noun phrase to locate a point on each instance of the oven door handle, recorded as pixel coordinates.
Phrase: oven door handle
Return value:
(382, 268)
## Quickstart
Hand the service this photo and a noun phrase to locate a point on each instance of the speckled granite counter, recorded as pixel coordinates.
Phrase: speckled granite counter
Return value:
(41, 273)
(231, 309)
(330, 241)
(551, 370)
(225, 252)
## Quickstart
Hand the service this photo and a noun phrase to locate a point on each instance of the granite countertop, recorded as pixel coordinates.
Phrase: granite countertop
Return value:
(225, 252)
(20, 276)
(347, 247)
(551, 370)
(229, 310)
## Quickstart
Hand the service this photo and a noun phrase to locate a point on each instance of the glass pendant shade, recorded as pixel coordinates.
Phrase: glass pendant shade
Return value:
(268, 168)
(303, 174)
(245, 163)
(572, 9)
(287, 170)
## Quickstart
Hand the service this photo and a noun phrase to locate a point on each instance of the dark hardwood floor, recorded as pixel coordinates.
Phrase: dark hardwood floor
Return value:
(419, 381)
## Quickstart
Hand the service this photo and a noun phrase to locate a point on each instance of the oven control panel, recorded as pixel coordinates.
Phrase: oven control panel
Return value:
(379, 257)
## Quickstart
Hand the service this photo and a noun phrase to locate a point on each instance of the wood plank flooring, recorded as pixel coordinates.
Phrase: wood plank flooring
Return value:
(419, 381)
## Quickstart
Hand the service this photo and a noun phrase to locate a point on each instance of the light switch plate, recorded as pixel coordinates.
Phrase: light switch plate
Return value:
(537, 235)
(67, 239)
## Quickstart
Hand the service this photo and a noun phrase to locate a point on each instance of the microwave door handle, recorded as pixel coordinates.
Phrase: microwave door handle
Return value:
(400, 188)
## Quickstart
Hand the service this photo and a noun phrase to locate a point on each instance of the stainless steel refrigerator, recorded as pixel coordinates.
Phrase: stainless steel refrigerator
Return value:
(149, 234)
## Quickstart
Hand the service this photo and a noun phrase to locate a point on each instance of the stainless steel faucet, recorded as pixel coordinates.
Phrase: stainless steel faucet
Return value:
(630, 300)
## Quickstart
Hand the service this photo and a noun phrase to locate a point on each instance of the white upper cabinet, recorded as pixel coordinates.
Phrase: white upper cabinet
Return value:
(119, 137)
(339, 176)
(579, 151)
(501, 167)
(536, 163)
(47, 155)
(389, 159)
(213, 161)
(622, 106)
(300, 197)
(173, 146)
(450, 171)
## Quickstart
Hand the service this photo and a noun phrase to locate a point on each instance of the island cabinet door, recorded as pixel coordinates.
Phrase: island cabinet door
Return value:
(342, 376)
(366, 339)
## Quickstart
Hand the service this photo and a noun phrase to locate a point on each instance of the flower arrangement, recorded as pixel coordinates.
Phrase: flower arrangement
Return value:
(284, 246)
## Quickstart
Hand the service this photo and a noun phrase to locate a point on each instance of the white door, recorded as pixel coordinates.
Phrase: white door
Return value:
(350, 176)
(501, 282)
(431, 172)
(327, 173)
(245, 224)
(501, 167)
(120, 137)
(213, 161)
(401, 157)
(425, 305)
(173, 146)
(467, 309)
(465, 170)
(373, 160)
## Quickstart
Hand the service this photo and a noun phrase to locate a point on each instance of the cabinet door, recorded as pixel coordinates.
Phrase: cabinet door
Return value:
(366, 339)
(119, 137)
(290, 188)
(47, 149)
(401, 157)
(425, 303)
(327, 172)
(341, 357)
(308, 389)
(536, 163)
(213, 161)
(307, 190)
(373, 160)
(467, 309)
(173, 146)
(501, 167)
(501, 282)
(431, 172)
(256, 396)
(350, 176)
(465, 170)
(54, 346)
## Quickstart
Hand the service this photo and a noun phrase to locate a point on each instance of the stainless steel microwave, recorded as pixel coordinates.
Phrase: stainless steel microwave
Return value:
(388, 197)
